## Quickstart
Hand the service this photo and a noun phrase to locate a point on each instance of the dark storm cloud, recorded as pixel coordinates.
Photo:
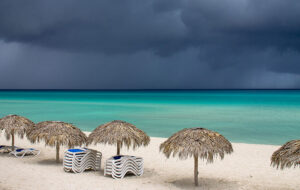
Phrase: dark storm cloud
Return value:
(232, 29)
(151, 44)
(126, 26)
(105, 26)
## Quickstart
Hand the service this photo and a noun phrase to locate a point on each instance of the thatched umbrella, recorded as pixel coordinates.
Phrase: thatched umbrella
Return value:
(57, 133)
(119, 133)
(196, 142)
(287, 156)
(14, 124)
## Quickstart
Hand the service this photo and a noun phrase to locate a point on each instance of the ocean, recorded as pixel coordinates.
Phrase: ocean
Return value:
(244, 116)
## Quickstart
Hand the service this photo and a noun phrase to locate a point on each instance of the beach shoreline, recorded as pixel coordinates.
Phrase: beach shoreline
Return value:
(248, 167)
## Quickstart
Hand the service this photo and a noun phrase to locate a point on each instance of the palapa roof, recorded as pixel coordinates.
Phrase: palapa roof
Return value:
(190, 142)
(119, 132)
(15, 123)
(57, 131)
(287, 156)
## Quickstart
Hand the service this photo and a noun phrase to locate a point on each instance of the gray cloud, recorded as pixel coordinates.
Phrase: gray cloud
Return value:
(153, 44)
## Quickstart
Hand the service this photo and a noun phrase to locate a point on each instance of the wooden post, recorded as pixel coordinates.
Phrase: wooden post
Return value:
(57, 152)
(196, 170)
(13, 141)
(118, 148)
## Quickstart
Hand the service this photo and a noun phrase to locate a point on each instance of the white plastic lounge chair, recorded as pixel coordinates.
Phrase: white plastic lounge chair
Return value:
(80, 159)
(5, 148)
(21, 152)
(119, 166)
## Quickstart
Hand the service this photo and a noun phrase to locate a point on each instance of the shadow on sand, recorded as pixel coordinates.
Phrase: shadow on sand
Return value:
(5, 154)
(206, 184)
(49, 162)
(148, 173)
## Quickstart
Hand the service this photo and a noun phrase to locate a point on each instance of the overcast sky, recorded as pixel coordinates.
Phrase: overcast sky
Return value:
(149, 44)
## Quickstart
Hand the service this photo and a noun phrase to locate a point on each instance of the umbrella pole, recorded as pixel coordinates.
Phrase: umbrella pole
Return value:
(13, 141)
(118, 148)
(196, 169)
(57, 152)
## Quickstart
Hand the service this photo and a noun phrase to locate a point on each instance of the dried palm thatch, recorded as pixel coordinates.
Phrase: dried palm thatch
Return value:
(199, 143)
(119, 132)
(14, 124)
(287, 156)
(57, 133)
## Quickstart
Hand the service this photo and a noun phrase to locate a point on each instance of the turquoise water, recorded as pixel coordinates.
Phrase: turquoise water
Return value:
(248, 116)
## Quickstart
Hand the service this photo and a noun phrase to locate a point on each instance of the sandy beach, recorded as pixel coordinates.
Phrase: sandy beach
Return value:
(247, 168)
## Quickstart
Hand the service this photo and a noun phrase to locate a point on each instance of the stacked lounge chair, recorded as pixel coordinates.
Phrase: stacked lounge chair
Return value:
(81, 159)
(119, 166)
(21, 152)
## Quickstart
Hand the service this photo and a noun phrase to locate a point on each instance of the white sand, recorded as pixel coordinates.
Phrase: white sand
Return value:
(247, 168)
